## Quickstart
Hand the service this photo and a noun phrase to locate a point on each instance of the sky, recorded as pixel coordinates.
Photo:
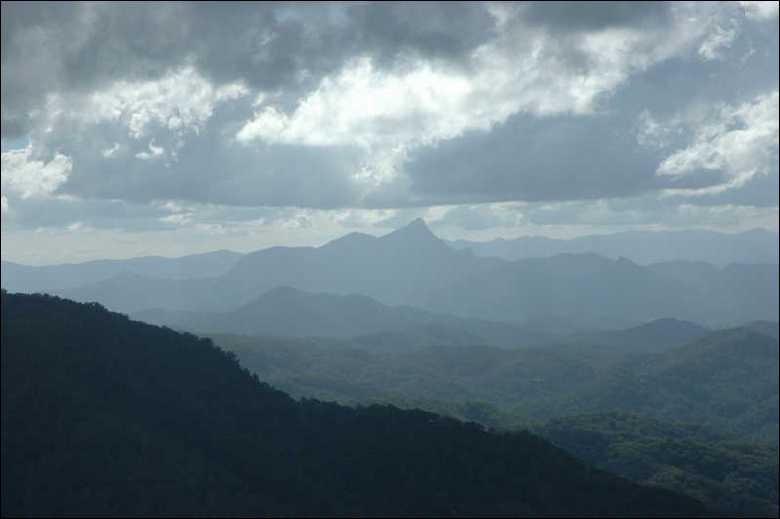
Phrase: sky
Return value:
(174, 128)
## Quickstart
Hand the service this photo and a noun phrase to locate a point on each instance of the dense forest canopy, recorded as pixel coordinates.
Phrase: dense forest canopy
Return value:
(103, 415)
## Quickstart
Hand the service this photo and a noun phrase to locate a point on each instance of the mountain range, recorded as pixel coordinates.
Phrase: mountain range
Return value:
(23, 278)
(643, 247)
(412, 267)
(288, 312)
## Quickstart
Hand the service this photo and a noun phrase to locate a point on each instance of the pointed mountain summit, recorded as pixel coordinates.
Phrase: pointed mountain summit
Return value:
(416, 227)
(401, 267)
(415, 234)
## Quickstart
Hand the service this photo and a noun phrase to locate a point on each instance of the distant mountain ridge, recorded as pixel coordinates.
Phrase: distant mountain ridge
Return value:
(412, 267)
(23, 278)
(652, 337)
(643, 247)
(398, 268)
(288, 312)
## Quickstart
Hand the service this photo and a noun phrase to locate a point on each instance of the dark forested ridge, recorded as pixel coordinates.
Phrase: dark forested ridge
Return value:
(725, 382)
(104, 415)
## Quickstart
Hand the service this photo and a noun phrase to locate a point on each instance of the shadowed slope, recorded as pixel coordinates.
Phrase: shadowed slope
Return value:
(103, 415)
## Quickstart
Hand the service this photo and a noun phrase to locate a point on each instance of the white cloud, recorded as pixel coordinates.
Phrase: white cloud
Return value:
(153, 153)
(182, 101)
(739, 141)
(655, 134)
(76, 226)
(177, 218)
(25, 176)
(717, 41)
(525, 69)
(372, 118)
(763, 10)
(351, 107)
(112, 151)
(370, 107)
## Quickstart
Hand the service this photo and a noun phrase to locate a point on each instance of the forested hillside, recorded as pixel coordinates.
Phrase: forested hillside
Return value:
(726, 380)
(737, 477)
(103, 415)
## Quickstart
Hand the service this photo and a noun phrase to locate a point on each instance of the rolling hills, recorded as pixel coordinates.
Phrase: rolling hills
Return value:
(106, 416)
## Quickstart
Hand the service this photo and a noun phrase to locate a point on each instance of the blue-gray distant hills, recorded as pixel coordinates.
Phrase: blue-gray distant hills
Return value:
(412, 267)
(23, 278)
(287, 312)
(643, 247)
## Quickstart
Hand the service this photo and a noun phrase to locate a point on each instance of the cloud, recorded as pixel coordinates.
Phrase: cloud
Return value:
(153, 153)
(589, 16)
(180, 102)
(484, 216)
(734, 142)
(717, 41)
(528, 72)
(230, 120)
(616, 149)
(555, 158)
(760, 10)
(75, 48)
(26, 176)
(649, 212)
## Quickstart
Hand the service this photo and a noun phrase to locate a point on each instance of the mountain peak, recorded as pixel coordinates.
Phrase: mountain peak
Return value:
(418, 223)
(416, 230)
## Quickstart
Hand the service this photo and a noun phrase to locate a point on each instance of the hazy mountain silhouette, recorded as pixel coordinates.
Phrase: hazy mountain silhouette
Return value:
(643, 247)
(288, 312)
(22, 278)
(653, 337)
(116, 417)
(133, 292)
(769, 328)
(398, 268)
(593, 291)
(413, 267)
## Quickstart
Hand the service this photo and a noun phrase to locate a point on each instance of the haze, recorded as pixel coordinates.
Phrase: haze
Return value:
(194, 127)
(390, 259)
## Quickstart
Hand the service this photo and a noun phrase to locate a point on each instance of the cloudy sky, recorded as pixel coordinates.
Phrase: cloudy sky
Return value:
(131, 129)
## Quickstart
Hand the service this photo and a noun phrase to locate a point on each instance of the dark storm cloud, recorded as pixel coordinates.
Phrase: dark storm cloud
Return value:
(288, 48)
(760, 191)
(599, 155)
(209, 169)
(580, 16)
(59, 47)
(532, 159)
(61, 212)
(749, 67)
(34, 213)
